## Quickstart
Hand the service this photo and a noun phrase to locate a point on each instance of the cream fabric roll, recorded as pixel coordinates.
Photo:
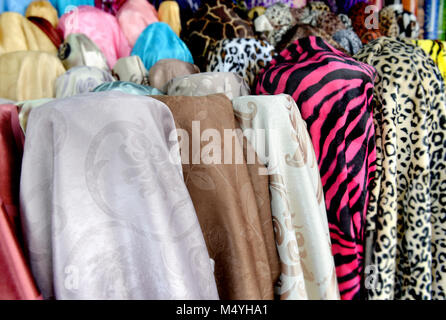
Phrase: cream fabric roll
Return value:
(105, 210)
(43, 9)
(167, 69)
(28, 75)
(274, 127)
(131, 69)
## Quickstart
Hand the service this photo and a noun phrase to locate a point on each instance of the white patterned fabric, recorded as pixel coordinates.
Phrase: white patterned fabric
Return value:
(297, 200)
(105, 210)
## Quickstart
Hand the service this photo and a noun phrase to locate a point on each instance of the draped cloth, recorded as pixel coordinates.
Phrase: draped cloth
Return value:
(43, 9)
(28, 75)
(51, 32)
(333, 93)
(105, 210)
(101, 27)
(64, 6)
(18, 6)
(297, 201)
(128, 87)
(406, 220)
(437, 51)
(79, 80)
(168, 45)
(19, 34)
(16, 281)
(169, 12)
(206, 83)
(231, 197)
(131, 69)
(79, 50)
(167, 69)
(134, 16)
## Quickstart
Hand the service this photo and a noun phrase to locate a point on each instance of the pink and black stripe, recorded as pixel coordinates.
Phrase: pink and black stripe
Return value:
(334, 94)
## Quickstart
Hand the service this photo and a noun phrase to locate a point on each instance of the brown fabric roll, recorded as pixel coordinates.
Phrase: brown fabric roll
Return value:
(46, 26)
(166, 69)
(231, 200)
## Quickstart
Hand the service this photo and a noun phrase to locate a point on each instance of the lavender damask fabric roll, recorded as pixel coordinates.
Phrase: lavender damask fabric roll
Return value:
(80, 80)
(105, 210)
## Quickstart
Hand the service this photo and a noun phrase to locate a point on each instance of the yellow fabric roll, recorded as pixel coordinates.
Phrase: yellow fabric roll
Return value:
(437, 51)
(169, 12)
(43, 9)
(19, 34)
(28, 75)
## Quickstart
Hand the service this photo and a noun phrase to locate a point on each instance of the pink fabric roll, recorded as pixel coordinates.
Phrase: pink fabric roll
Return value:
(134, 16)
(101, 27)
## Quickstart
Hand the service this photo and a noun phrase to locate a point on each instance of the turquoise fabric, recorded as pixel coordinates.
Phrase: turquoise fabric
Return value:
(158, 41)
(128, 87)
(63, 6)
(14, 5)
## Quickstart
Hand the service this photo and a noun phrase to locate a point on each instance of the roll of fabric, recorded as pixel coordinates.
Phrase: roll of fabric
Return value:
(333, 93)
(431, 8)
(28, 75)
(244, 57)
(437, 51)
(131, 69)
(25, 108)
(43, 9)
(406, 218)
(206, 83)
(16, 281)
(134, 16)
(168, 45)
(51, 32)
(128, 87)
(332, 5)
(167, 69)
(101, 27)
(215, 20)
(348, 40)
(365, 22)
(104, 166)
(267, 3)
(256, 12)
(19, 34)
(279, 18)
(169, 12)
(79, 50)
(442, 20)
(344, 6)
(297, 201)
(65, 6)
(398, 23)
(18, 6)
(235, 220)
(79, 80)
(110, 6)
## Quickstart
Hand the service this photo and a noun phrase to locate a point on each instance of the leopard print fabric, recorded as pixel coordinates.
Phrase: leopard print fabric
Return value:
(406, 218)
(398, 23)
(246, 57)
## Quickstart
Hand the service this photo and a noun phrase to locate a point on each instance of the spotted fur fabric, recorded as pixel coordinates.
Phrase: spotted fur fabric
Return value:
(406, 218)
(246, 57)
(398, 23)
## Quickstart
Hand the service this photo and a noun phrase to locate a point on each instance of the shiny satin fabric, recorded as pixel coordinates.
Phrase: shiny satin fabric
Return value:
(19, 34)
(105, 210)
(16, 281)
(101, 27)
(203, 84)
(169, 12)
(167, 69)
(28, 75)
(25, 108)
(297, 200)
(235, 217)
(18, 6)
(51, 32)
(128, 87)
(79, 80)
(79, 50)
(168, 45)
(131, 69)
(64, 6)
(43, 9)
(134, 16)
(110, 6)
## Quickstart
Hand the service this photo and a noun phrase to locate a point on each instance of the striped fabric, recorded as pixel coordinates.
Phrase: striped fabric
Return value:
(333, 93)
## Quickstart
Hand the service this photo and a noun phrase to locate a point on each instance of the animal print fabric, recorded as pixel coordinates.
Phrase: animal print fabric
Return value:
(406, 218)
(333, 93)
(243, 56)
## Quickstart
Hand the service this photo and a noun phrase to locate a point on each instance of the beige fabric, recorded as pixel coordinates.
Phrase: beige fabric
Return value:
(167, 69)
(43, 9)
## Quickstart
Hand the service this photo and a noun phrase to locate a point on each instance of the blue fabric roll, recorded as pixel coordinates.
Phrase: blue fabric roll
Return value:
(128, 87)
